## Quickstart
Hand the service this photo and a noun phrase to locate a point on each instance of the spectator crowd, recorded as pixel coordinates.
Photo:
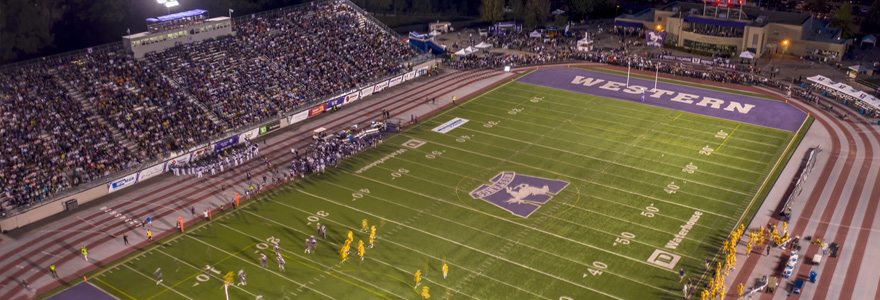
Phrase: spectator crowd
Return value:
(177, 98)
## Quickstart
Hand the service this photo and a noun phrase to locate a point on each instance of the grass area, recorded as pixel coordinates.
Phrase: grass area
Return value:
(685, 83)
(633, 176)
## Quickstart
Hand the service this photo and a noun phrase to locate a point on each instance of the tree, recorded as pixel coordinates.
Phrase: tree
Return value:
(871, 24)
(541, 9)
(25, 29)
(581, 8)
(560, 21)
(517, 10)
(531, 21)
(492, 10)
(843, 19)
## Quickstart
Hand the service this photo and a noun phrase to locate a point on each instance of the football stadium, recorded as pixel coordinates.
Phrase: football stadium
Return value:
(312, 152)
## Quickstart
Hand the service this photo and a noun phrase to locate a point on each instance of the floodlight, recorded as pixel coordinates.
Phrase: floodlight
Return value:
(172, 3)
(162, 1)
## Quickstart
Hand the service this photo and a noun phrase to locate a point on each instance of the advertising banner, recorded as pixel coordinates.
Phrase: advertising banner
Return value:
(381, 86)
(317, 110)
(269, 127)
(422, 71)
(199, 153)
(249, 135)
(298, 117)
(352, 97)
(226, 143)
(182, 160)
(367, 91)
(395, 81)
(121, 183)
(335, 102)
(151, 171)
(409, 76)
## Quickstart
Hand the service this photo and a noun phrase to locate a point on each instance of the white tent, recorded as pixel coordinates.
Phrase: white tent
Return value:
(747, 54)
(535, 34)
(462, 52)
(435, 33)
(870, 39)
(585, 44)
(470, 50)
(483, 45)
(558, 12)
(846, 89)
(859, 68)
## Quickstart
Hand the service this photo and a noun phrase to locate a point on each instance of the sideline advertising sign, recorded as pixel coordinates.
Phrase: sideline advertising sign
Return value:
(151, 171)
(121, 183)
(298, 117)
(226, 143)
(448, 126)
(317, 110)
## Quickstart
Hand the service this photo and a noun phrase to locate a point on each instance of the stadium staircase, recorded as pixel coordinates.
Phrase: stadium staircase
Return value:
(78, 96)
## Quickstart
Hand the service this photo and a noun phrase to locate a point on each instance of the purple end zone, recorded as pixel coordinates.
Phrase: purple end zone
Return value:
(82, 291)
(734, 107)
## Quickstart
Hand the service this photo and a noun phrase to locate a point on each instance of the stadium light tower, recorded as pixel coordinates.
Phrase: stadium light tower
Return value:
(168, 4)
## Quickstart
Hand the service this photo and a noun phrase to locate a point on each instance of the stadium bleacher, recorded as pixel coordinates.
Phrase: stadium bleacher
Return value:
(70, 121)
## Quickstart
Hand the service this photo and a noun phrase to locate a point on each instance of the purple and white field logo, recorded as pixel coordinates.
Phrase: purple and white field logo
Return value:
(520, 195)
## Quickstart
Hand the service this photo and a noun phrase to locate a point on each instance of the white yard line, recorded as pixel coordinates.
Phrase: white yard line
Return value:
(153, 279)
(335, 244)
(255, 264)
(307, 259)
(481, 251)
(573, 178)
(495, 235)
(699, 160)
(200, 270)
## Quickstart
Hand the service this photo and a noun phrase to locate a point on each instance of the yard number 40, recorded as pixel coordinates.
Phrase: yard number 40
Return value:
(596, 269)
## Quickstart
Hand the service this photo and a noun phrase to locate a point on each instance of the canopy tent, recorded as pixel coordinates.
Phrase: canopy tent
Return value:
(483, 45)
(535, 34)
(846, 89)
(860, 68)
(461, 52)
(470, 50)
(558, 12)
(870, 39)
(747, 54)
(585, 44)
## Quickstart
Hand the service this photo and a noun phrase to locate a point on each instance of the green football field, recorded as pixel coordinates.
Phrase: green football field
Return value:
(611, 198)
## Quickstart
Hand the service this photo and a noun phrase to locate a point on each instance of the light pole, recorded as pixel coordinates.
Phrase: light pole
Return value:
(168, 4)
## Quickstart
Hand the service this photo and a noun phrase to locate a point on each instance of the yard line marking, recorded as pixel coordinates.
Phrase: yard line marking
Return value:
(693, 147)
(544, 170)
(385, 239)
(506, 239)
(255, 264)
(493, 255)
(330, 268)
(486, 168)
(303, 285)
(727, 138)
(167, 288)
(517, 120)
(201, 271)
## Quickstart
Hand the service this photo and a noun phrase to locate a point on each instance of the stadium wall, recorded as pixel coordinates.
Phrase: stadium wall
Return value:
(55, 207)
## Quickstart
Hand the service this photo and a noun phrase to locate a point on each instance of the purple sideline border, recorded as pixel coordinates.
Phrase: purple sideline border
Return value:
(769, 113)
(82, 291)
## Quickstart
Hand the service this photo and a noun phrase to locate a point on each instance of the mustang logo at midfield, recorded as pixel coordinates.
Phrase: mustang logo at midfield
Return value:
(518, 194)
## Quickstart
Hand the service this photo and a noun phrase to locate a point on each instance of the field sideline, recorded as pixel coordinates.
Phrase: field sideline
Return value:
(603, 185)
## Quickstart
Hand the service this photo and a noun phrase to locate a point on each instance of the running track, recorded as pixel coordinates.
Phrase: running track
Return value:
(842, 208)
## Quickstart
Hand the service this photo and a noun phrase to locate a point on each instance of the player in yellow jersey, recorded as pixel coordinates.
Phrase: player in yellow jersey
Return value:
(364, 226)
(346, 246)
(350, 237)
(425, 294)
(445, 270)
(748, 249)
(371, 240)
(373, 229)
(343, 253)
(418, 278)
(361, 249)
